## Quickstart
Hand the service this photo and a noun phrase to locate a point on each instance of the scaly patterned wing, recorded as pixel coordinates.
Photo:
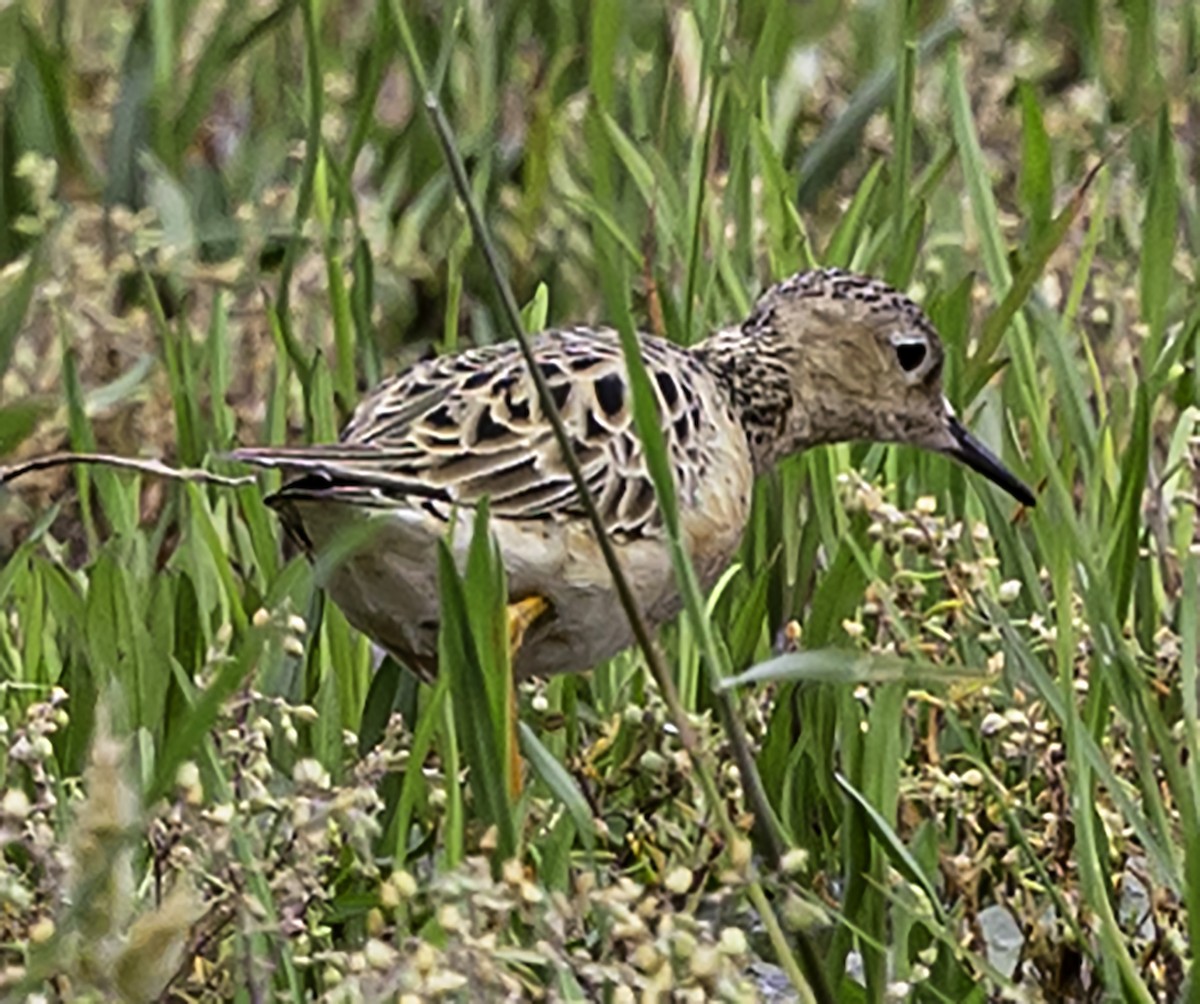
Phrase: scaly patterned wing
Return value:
(452, 430)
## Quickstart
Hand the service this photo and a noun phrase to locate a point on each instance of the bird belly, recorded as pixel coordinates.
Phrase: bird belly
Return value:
(588, 624)
(386, 581)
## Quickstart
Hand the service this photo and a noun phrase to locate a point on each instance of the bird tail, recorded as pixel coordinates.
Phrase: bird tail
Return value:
(339, 470)
(301, 458)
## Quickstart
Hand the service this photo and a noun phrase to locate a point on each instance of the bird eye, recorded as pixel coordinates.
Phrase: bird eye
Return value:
(910, 355)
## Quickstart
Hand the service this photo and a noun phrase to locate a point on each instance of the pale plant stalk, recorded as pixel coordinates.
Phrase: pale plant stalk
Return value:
(658, 670)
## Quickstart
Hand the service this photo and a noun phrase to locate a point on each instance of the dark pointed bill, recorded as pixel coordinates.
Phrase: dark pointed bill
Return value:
(970, 451)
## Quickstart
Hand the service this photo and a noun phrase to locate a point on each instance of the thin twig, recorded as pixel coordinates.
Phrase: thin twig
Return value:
(147, 466)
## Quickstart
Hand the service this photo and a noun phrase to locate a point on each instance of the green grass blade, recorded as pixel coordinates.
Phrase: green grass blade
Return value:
(841, 140)
(1036, 185)
(1031, 271)
(564, 788)
(474, 708)
(847, 666)
(899, 855)
(16, 294)
(850, 227)
(1158, 236)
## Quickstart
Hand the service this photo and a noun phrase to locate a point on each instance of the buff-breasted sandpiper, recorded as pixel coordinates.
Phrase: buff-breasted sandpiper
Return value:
(826, 356)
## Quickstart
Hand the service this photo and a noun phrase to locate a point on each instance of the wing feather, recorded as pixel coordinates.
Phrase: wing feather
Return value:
(458, 428)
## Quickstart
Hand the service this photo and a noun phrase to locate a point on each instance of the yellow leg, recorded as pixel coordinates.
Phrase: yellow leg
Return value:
(521, 616)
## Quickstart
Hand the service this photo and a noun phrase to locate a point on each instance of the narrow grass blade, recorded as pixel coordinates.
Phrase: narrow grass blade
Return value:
(899, 855)
(1158, 235)
(470, 691)
(848, 666)
(1031, 271)
(186, 742)
(902, 126)
(564, 788)
(788, 240)
(848, 232)
(1127, 523)
(14, 305)
(424, 730)
(1036, 184)
(975, 173)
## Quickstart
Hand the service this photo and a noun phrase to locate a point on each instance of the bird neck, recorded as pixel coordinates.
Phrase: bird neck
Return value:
(754, 370)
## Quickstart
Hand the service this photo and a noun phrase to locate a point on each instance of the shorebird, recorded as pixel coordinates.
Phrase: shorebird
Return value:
(826, 356)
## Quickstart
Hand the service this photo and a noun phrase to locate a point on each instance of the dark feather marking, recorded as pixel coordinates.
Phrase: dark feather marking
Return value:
(666, 384)
(637, 504)
(517, 409)
(610, 392)
(539, 499)
(488, 429)
(585, 453)
(472, 466)
(345, 482)
(313, 483)
(433, 511)
(440, 418)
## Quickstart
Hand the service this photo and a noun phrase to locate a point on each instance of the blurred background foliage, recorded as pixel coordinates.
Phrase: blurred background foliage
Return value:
(220, 221)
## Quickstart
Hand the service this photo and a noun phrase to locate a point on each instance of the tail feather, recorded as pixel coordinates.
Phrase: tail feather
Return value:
(303, 457)
(344, 469)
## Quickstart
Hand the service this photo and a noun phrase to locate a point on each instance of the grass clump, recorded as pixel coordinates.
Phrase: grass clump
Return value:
(90, 932)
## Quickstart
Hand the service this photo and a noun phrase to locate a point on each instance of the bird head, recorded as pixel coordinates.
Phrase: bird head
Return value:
(863, 362)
